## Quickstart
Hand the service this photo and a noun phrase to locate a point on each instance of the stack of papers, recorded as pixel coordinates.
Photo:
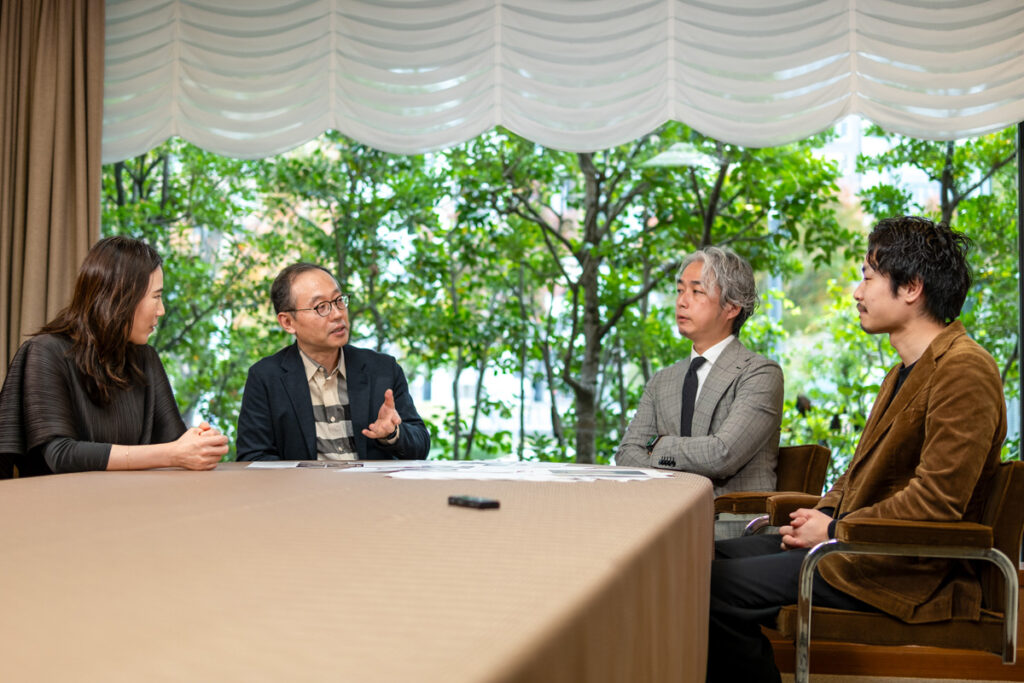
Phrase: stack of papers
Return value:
(475, 469)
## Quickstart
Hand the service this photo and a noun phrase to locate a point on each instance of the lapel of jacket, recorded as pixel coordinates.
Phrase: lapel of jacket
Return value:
(880, 419)
(296, 387)
(723, 372)
(358, 381)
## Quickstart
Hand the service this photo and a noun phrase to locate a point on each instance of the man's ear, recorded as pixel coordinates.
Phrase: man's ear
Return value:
(731, 311)
(912, 292)
(285, 321)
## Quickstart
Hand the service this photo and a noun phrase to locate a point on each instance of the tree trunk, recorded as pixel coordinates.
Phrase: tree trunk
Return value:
(454, 294)
(119, 183)
(481, 373)
(455, 404)
(521, 446)
(378, 322)
(586, 426)
(520, 293)
(549, 376)
(621, 376)
(556, 419)
(586, 383)
(948, 190)
(165, 184)
(645, 307)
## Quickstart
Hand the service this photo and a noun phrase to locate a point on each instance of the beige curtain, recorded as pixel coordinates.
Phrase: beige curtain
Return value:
(51, 123)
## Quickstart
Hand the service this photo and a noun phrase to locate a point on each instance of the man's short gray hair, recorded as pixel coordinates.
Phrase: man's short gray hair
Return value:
(731, 276)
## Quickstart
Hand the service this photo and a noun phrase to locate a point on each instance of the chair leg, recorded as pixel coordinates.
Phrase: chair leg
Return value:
(1000, 559)
(802, 670)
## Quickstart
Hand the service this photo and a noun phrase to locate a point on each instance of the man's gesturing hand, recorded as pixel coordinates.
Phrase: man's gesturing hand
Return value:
(387, 420)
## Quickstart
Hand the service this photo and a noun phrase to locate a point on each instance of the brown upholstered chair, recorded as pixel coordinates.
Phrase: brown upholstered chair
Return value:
(800, 469)
(995, 540)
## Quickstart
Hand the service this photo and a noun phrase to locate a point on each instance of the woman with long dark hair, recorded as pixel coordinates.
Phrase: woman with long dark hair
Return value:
(87, 392)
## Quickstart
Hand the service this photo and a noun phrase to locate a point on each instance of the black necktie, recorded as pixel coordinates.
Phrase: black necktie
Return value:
(689, 395)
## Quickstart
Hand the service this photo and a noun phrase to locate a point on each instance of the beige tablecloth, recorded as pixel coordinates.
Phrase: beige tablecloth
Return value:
(321, 575)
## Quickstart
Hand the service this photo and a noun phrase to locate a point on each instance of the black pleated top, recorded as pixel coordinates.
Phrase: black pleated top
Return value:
(48, 423)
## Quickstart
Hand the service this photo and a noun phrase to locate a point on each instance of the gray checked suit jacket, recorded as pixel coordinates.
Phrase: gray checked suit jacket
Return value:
(735, 431)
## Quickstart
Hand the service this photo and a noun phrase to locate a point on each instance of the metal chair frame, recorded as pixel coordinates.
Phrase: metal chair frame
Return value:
(756, 525)
(822, 550)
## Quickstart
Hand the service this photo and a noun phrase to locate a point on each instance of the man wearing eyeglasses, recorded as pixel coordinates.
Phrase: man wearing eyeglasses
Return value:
(315, 399)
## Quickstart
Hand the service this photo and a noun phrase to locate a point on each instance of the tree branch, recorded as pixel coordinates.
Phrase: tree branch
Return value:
(988, 176)
(534, 217)
(716, 192)
(217, 301)
(1010, 361)
(620, 310)
(626, 167)
(624, 201)
(554, 257)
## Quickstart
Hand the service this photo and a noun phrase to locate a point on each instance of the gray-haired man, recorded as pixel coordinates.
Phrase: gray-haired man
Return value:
(730, 397)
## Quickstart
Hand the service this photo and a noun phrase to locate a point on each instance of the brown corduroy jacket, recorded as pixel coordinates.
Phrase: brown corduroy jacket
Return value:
(929, 455)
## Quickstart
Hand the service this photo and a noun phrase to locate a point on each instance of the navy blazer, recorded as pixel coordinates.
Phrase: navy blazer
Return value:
(276, 419)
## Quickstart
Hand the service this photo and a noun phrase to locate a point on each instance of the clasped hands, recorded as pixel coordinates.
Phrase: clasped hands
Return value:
(387, 420)
(201, 448)
(807, 528)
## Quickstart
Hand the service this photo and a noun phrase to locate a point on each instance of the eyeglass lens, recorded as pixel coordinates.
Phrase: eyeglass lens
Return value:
(323, 309)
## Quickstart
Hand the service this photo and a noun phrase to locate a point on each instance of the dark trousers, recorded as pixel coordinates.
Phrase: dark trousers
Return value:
(751, 579)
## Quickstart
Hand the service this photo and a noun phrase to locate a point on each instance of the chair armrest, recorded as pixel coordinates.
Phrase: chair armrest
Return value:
(904, 532)
(743, 502)
(781, 504)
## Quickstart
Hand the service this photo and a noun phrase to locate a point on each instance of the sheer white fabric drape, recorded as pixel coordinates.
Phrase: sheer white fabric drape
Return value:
(254, 78)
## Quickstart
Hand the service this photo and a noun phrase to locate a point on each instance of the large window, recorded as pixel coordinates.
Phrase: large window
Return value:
(475, 265)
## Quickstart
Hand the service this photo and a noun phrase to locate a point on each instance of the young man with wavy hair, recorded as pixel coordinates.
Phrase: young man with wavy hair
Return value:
(927, 452)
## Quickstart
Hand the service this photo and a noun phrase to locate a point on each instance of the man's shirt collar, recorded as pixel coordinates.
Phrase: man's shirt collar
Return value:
(711, 355)
(311, 366)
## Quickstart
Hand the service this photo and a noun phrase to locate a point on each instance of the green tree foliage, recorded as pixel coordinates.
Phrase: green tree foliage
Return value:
(500, 258)
(614, 232)
(470, 314)
(833, 377)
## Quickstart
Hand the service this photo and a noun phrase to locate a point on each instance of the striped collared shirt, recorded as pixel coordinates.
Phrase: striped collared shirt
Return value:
(335, 436)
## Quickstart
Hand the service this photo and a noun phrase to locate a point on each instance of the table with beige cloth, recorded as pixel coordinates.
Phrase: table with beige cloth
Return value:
(314, 574)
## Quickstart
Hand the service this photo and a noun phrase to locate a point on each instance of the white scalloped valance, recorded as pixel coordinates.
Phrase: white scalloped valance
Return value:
(254, 78)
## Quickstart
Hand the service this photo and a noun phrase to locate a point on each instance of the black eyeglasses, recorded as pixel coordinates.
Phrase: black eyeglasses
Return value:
(323, 309)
